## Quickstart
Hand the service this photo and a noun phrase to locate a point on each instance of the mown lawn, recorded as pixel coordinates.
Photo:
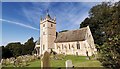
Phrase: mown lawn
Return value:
(78, 61)
(35, 63)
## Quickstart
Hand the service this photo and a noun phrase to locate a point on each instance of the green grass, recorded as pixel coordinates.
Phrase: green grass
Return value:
(35, 63)
(78, 61)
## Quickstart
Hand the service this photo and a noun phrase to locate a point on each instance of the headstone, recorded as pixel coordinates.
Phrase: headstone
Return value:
(24, 63)
(7, 61)
(45, 61)
(1, 63)
(69, 64)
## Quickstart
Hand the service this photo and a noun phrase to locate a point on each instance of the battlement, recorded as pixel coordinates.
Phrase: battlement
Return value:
(48, 18)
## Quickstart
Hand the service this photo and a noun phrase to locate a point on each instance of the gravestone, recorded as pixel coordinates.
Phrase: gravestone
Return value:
(1, 63)
(69, 64)
(45, 61)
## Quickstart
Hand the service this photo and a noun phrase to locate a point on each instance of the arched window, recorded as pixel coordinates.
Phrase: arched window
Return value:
(62, 46)
(51, 25)
(57, 47)
(78, 45)
(69, 46)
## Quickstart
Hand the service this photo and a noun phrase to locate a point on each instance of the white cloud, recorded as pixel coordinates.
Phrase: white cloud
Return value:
(71, 17)
(70, 14)
(19, 24)
(34, 12)
(31, 14)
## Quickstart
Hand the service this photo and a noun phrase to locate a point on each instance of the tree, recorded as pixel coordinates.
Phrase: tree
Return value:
(104, 22)
(6, 53)
(15, 48)
(99, 18)
(28, 46)
(110, 53)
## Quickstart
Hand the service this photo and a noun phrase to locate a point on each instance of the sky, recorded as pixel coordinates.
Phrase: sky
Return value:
(21, 20)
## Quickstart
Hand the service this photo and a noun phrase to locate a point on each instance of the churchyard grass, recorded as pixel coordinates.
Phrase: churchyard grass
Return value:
(78, 61)
(35, 63)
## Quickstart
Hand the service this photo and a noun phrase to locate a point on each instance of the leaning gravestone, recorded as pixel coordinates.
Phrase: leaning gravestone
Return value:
(45, 61)
(69, 64)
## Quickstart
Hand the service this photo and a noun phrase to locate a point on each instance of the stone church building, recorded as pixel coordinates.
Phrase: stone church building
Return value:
(73, 42)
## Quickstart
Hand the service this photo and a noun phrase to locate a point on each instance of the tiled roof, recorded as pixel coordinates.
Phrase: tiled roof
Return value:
(73, 35)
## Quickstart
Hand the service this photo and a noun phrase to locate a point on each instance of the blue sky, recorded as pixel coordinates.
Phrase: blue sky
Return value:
(20, 20)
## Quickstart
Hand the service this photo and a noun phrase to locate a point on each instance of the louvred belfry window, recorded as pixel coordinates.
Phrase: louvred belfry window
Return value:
(43, 25)
(51, 25)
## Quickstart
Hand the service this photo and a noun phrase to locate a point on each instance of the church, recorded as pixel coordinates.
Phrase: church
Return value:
(72, 42)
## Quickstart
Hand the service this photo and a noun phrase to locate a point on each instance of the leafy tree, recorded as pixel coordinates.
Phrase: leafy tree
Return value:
(15, 48)
(104, 22)
(28, 46)
(110, 53)
(99, 17)
(6, 53)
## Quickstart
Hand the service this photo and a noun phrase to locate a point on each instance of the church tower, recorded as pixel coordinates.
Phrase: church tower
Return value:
(47, 33)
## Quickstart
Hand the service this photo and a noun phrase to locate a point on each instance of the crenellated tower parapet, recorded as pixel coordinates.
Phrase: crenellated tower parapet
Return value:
(48, 18)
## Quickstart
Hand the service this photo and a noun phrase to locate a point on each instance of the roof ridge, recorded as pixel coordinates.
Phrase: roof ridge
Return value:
(74, 30)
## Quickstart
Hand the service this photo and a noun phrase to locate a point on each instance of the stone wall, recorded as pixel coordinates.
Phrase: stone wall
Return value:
(47, 34)
(70, 48)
